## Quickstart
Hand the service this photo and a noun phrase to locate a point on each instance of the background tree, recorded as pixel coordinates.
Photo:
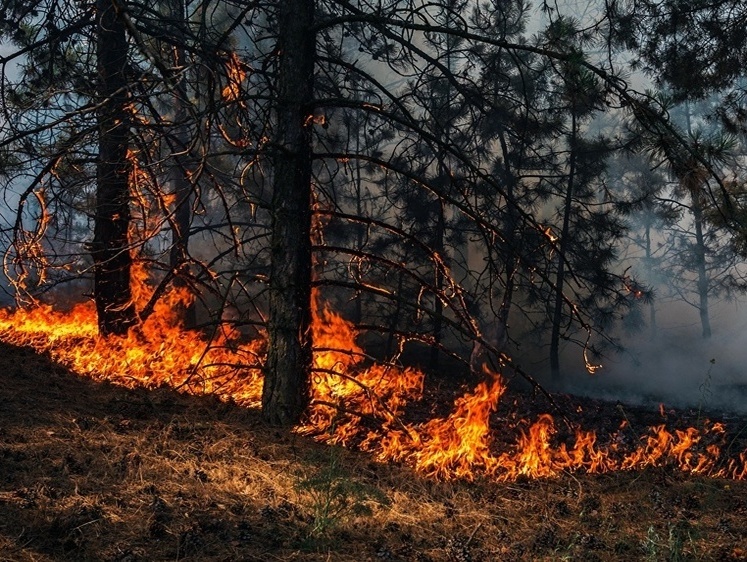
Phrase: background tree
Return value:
(644, 205)
(689, 47)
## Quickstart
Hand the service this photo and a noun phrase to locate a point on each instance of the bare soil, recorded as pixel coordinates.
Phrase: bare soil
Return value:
(90, 471)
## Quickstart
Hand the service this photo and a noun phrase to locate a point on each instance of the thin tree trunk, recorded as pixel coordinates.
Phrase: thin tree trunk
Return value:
(359, 211)
(285, 394)
(650, 269)
(509, 255)
(181, 185)
(557, 316)
(439, 246)
(693, 182)
(111, 246)
(700, 262)
(397, 313)
(439, 237)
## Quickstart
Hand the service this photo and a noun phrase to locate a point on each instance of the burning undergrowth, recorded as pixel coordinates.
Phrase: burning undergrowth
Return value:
(360, 403)
(92, 471)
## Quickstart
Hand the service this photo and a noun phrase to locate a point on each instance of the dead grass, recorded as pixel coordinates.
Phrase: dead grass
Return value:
(89, 471)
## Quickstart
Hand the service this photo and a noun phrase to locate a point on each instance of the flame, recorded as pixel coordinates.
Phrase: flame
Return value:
(357, 401)
(157, 353)
(26, 257)
(457, 446)
(346, 388)
(236, 72)
(550, 235)
(149, 203)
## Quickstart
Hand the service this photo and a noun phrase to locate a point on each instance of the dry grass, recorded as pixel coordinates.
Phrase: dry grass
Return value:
(89, 471)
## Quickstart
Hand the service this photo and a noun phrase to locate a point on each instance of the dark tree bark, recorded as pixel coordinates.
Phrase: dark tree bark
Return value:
(181, 185)
(693, 178)
(509, 253)
(111, 246)
(439, 246)
(649, 256)
(693, 185)
(705, 321)
(285, 394)
(557, 316)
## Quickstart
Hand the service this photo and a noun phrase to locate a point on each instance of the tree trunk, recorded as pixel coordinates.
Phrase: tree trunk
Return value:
(111, 246)
(693, 180)
(510, 245)
(181, 185)
(557, 316)
(650, 270)
(394, 322)
(359, 211)
(439, 247)
(285, 394)
(700, 263)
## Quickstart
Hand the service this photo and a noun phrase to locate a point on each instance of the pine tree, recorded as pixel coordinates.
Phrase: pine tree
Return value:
(286, 388)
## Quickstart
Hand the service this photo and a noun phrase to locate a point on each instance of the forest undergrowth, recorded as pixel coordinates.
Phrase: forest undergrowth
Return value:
(91, 471)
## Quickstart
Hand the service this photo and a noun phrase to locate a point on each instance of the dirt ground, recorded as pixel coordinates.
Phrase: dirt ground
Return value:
(89, 471)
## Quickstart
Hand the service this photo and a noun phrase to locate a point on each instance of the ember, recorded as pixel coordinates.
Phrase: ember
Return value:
(355, 401)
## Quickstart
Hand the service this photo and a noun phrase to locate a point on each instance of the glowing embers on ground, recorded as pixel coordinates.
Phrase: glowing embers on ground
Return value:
(357, 401)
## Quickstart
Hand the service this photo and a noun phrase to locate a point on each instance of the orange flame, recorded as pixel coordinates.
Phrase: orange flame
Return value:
(355, 401)
(454, 447)
(157, 353)
(236, 72)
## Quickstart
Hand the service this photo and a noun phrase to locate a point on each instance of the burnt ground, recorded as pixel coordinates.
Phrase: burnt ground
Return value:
(89, 471)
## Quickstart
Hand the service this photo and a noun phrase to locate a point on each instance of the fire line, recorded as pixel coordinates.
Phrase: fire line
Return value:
(354, 403)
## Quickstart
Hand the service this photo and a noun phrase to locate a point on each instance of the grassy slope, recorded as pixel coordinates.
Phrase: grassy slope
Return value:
(89, 471)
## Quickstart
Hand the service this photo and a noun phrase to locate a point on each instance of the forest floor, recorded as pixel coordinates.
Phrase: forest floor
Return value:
(90, 471)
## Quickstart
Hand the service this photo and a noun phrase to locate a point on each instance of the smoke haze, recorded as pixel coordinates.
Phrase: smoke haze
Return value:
(677, 367)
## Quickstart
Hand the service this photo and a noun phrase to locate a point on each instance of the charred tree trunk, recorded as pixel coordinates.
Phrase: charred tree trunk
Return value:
(181, 184)
(509, 253)
(111, 246)
(509, 244)
(285, 394)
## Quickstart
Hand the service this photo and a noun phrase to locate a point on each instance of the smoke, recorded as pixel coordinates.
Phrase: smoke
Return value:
(676, 366)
